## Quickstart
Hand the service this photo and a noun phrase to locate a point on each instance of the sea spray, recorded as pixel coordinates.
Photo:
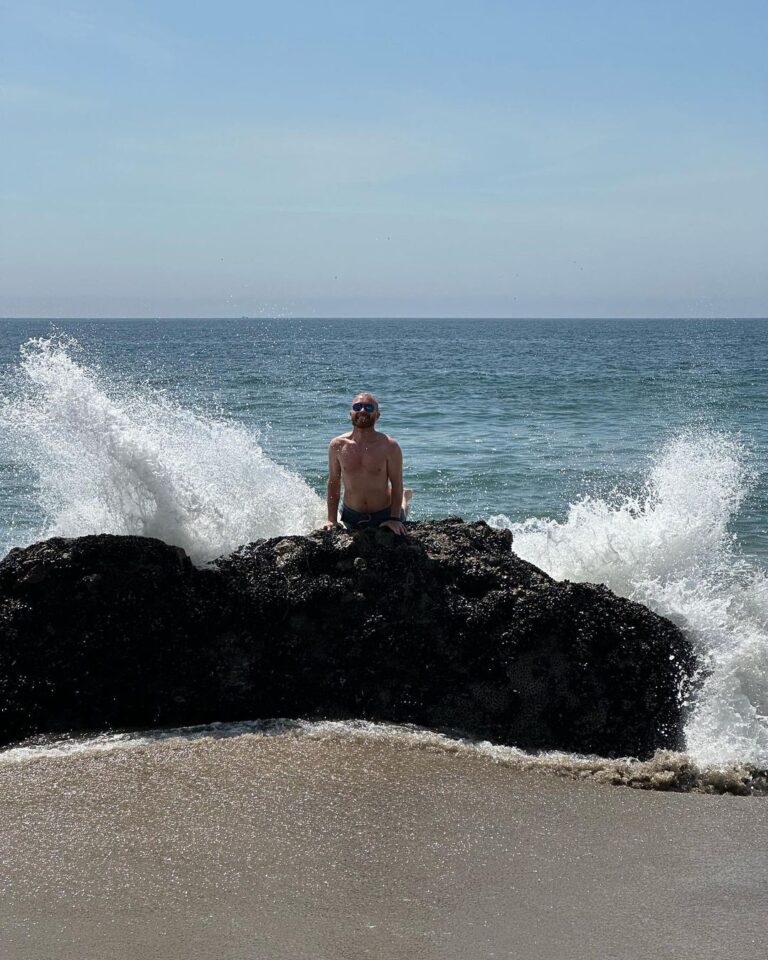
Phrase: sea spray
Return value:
(110, 458)
(670, 547)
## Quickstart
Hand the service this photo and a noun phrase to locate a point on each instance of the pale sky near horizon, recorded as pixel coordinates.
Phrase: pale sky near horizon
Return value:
(495, 159)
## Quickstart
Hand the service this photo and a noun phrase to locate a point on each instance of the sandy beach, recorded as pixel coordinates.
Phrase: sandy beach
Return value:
(294, 847)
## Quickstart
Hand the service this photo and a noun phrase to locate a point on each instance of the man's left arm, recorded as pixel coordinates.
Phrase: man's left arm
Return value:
(395, 474)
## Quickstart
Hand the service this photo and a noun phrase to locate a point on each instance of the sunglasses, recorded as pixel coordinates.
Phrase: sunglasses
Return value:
(368, 407)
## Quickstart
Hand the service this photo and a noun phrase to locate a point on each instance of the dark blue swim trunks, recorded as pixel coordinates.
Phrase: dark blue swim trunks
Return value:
(354, 520)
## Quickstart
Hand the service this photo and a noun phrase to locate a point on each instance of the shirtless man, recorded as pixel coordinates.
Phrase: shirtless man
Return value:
(370, 465)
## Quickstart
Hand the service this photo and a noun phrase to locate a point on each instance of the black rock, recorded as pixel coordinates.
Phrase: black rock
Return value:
(446, 628)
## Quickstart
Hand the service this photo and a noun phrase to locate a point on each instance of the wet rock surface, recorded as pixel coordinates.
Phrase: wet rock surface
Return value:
(446, 628)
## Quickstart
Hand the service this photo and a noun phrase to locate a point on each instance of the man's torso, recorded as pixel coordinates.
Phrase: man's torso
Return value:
(364, 471)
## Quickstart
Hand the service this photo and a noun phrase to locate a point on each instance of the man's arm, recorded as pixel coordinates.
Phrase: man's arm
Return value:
(395, 474)
(333, 486)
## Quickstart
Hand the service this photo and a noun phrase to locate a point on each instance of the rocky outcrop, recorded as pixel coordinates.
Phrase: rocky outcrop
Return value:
(446, 628)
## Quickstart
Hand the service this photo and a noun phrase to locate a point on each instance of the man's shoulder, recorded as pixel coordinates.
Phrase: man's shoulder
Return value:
(390, 440)
(338, 441)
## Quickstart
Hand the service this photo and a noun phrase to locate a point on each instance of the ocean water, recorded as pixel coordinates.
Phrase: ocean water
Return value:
(626, 452)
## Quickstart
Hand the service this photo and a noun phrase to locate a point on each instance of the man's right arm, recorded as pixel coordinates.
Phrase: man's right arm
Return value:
(333, 487)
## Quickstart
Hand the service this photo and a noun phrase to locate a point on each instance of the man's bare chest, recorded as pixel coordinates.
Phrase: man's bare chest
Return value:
(357, 458)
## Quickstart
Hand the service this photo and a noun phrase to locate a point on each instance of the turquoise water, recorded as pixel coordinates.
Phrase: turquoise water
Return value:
(626, 452)
(512, 417)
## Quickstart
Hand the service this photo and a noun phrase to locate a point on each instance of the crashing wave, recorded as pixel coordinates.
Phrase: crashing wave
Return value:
(132, 461)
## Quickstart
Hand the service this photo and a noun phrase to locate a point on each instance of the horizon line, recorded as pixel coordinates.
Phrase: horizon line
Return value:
(369, 317)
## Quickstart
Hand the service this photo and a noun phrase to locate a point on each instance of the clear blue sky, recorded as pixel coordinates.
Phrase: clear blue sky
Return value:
(329, 158)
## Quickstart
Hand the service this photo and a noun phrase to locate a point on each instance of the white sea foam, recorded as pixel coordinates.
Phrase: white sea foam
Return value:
(670, 548)
(666, 770)
(133, 461)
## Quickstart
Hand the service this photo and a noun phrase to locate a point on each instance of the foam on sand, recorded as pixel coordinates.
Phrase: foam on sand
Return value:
(666, 770)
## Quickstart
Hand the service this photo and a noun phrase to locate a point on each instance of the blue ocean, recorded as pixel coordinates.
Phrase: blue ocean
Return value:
(633, 453)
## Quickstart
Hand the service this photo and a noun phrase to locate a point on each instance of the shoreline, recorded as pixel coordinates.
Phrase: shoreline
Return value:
(667, 771)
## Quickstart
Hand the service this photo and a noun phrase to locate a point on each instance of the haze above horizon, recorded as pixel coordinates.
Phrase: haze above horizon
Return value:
(512, 161)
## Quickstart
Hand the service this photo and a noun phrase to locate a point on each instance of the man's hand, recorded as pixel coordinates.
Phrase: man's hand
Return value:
(395, 525)
(329, 524)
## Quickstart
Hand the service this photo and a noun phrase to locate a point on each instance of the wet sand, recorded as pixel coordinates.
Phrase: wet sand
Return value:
(292, 847)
